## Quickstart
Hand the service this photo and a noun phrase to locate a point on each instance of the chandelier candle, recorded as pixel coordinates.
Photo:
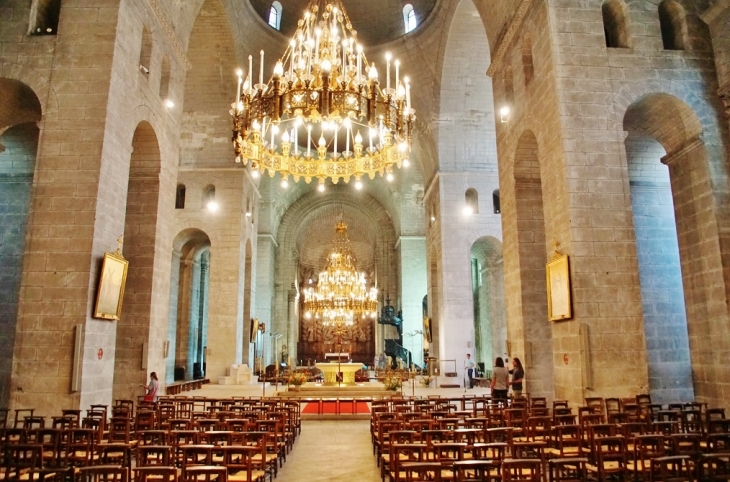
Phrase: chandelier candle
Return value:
(322, 90)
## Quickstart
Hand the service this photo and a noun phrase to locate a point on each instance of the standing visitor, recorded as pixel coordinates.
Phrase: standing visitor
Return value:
(154, 385)
(469, 367)
(518, 373)
(500, 380)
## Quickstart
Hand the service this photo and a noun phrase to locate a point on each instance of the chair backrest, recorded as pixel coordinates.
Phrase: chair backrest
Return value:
(154, 455)
(205, 473)
(418, 471)
(153, 473)
(522, 470)
(102, 473)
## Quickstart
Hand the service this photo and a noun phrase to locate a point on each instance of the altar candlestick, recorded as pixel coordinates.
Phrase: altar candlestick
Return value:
(261, 70)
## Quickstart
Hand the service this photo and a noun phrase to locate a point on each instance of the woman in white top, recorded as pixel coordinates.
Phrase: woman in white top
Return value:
(500, 379)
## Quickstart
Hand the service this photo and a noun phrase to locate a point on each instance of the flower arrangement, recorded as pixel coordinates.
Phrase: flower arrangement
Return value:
(393, 383)
(425, 381)
(297, 379)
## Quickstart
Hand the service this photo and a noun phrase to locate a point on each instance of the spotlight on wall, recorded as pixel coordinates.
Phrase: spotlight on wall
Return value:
(284, 183)
(389, 177)
(212, 206)
(320, 188)
(504, 114)
(358, 184)
(248, 214)
(169, 104)
(467, 211)
(406, 163)
(254, 174)
(433, 219)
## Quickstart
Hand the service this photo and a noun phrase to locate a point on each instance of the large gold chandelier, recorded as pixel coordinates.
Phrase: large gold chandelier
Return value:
(341, 295)
(323, 113)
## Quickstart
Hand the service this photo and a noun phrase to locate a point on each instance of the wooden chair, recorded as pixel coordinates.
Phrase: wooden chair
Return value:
(154, 455)
(239, 460)
(521, 470)
(404, 453)
(205, 473)
(609, 458)
(25, 462)
(478, 470)
(115, 454)
(567, 441)
(154, 473)
(102, 473)
(567, 469)
(714, 467)
(646, 448)
(422, 471)
(80, 447)
(675, 468)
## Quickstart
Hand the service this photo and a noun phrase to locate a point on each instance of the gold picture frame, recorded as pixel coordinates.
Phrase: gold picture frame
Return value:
(427, 329)
(112, 280)
(558, 288)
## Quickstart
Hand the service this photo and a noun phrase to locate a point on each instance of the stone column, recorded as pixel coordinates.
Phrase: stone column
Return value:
(413, 286)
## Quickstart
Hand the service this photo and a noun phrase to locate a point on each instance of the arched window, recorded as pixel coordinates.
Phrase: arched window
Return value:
(180, 197)
(471, 201)
(275, 15)
(409, 17)
(209, 201)
(145, 52)
(44, 17)
(496, 202)
(616, 23)
(674, 25)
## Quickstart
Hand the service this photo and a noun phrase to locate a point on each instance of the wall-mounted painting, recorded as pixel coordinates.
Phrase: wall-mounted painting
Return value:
(111, 287)
(558, 288)
(427, 329)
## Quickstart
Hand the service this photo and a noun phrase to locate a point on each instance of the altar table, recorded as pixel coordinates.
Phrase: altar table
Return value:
(330, 372)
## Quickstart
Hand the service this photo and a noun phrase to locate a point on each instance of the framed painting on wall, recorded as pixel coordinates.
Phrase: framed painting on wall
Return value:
(558, 288)
(110, 293)
(427, 329)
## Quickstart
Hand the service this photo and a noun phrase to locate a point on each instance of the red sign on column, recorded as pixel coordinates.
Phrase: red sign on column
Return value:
(100, 354)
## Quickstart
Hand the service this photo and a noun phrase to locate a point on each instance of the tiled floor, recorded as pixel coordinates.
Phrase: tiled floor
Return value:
(331, 451)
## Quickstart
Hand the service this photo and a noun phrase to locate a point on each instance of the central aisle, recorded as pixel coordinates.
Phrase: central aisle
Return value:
(333, 451)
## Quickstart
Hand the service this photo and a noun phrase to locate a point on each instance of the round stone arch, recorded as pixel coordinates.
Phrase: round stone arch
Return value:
(37, 82)
(705, 109)
(299, 215)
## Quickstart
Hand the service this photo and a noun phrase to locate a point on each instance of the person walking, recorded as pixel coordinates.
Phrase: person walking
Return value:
(518, 373)
(500, 380)
(469, 367)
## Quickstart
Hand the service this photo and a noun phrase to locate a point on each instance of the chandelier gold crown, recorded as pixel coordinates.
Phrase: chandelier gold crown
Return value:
(323, 80)
(341, 294)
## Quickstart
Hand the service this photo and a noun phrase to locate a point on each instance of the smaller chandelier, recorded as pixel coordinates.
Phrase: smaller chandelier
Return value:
(323, 113)
(341, 295)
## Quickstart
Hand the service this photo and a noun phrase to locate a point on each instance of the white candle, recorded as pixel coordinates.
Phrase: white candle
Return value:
(295, 134)
(261, 70)
(250, 68)
(238, 89)
(397, 69)
(371, 139)
(263, 129)
(293, 45)
(309, 138)
(387, 71)
(359, 62)
(344, 59)
(317, 34)
(408, 94)
(272, 137)
(337, 129)
(347, 139)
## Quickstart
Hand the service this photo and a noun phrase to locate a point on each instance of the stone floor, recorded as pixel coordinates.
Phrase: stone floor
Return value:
(333, 451)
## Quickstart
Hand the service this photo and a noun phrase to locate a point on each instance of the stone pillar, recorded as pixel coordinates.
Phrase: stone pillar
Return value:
(266, 264)
(171, 342)
(413, 286)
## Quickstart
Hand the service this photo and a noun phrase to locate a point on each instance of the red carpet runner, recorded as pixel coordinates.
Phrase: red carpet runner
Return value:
(330, 408)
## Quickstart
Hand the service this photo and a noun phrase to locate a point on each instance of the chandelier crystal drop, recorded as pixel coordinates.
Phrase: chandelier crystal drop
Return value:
(341, 294)
(323, 114)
